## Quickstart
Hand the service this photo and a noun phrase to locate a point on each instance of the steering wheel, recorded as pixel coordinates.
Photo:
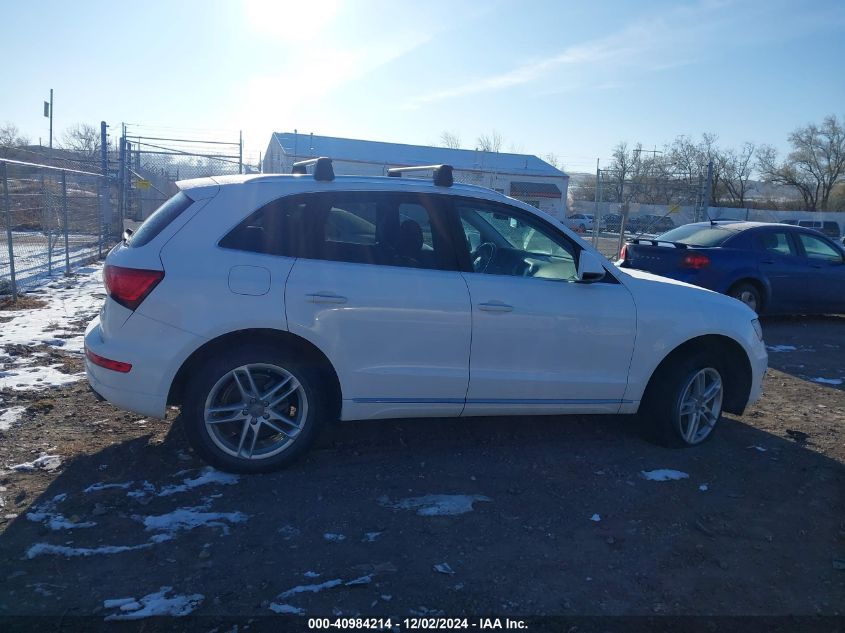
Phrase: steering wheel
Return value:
(482, 256)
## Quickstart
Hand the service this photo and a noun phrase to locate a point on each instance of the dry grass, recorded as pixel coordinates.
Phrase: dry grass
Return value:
(23, 302)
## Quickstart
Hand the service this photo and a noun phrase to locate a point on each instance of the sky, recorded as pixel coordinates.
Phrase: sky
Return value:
(569, 78)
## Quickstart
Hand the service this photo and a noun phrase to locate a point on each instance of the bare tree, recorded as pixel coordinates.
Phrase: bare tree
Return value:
(554, 160)
(814, 165)
(82, 138)
(452, 140)
(736, 168)
(11, 138)
(490, 142)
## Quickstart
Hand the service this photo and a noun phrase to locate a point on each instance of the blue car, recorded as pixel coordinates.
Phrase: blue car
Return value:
(772, 268)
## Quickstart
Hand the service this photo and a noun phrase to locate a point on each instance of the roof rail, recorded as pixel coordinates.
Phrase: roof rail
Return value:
(442, 173)
(323, 169)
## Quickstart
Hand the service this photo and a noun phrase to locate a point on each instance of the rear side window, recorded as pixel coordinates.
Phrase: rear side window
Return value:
(775, 242)
(698, 235)
(159, 220)
(277, 228)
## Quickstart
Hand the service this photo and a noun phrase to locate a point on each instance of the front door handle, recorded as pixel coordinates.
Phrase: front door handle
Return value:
(495, 306)
(325, 297)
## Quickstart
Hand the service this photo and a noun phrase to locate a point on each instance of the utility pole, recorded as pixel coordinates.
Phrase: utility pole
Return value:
(708, 185)
(48, 112)
(597, 213)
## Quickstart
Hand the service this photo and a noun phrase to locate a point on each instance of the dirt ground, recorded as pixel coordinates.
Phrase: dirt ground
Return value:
(561, 520)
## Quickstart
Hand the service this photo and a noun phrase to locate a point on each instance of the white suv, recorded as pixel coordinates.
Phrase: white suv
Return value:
(267, 306)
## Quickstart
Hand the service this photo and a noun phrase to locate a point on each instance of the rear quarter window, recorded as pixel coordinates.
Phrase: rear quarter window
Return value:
(159, 220)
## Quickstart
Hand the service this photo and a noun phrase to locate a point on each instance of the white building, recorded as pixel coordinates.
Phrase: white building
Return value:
(521, 176)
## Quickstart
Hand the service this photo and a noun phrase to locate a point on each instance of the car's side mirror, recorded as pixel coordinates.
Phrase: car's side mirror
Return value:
(590, 267)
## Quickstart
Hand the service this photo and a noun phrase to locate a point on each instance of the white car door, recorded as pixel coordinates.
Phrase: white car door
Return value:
(378, 291)
(541, 341)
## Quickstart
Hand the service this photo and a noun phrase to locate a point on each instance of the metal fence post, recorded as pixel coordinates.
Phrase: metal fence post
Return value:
(49, 231)
(100, 229)
(8, 205)
(64, 216)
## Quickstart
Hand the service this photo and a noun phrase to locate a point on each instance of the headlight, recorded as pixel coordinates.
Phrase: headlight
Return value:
(757, 328)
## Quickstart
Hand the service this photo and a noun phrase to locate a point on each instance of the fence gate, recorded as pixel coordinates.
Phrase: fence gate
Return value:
(153, 160)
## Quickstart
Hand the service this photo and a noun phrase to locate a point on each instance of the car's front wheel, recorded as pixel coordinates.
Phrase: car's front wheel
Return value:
(684, 401)
(252, 410)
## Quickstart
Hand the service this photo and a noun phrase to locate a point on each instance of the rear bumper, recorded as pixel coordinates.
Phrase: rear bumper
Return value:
(144, 389)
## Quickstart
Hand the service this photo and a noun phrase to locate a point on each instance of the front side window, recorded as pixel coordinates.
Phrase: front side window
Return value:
(775, 242)
(816, 248)
(505, 241)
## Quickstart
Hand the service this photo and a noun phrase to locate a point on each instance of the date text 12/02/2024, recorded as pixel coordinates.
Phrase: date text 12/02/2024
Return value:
(421, 623)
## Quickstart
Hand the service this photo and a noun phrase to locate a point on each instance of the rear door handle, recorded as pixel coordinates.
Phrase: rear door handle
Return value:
(495, 306)
(325, 297)
(767, 261)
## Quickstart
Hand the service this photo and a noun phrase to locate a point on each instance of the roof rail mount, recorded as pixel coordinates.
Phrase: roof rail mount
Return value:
(323, 169)
(442, 173)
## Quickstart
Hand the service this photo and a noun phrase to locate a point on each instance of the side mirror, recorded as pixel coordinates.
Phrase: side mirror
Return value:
(590, 267)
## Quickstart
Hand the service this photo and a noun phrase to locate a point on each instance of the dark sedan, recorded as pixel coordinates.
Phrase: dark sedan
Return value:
(772, 268)
(650, 224)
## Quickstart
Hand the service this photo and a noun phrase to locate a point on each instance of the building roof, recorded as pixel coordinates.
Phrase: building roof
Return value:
(535, 189)
(304, 146)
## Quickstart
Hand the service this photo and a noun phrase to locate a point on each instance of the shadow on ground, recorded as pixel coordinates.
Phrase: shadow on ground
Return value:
(562, 522)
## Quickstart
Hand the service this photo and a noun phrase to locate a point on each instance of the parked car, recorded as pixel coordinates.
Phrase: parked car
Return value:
(266, 306)
(772, 268)
(580, 222)
(829, 228)
(611, 222)
(649, 224)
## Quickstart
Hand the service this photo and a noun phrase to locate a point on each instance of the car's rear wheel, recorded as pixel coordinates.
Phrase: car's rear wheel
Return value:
(748, 294)
(253, 410)
(684, 401)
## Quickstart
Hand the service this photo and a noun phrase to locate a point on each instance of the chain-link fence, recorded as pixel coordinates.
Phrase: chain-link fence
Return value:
(154, 162)
(51, 220)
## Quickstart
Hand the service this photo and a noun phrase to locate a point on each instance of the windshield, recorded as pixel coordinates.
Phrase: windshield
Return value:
(698, 235)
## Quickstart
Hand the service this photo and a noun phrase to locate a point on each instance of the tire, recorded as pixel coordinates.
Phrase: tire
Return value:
(673, 390)
(748, 294)
(257, 438)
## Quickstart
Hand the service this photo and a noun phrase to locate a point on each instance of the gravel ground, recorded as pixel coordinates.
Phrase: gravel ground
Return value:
(402, 518)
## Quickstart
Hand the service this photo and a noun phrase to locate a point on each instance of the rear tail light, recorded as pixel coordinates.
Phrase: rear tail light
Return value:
(130, 286)
(695, 261)
(114, 365)
(623, 254)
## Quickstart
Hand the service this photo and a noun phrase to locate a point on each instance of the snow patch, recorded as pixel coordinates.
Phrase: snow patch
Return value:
(596, 518)
(334, 538)
(45, 462)
(827, 381)
(781, 348)
(286, 609)
(101, 486)
(704, 487)
(41, 549)
(436, 505)
(663, 474)
(369, 537)
(314, 588)
(207, 476)
(155, 604)
(759, 449)
(10, 416)
(46, 513)
(184, 519)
